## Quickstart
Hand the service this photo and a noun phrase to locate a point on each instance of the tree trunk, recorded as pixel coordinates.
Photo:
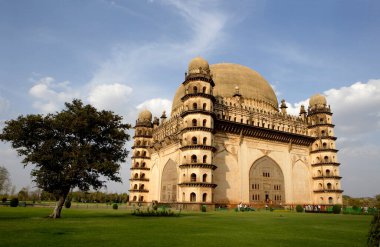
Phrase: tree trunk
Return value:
(58, 206)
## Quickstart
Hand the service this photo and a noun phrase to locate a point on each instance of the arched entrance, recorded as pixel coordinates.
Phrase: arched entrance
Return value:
(266, 182)
(169, 181)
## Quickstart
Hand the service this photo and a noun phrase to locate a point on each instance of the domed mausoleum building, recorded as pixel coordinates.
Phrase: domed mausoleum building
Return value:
(229, 141)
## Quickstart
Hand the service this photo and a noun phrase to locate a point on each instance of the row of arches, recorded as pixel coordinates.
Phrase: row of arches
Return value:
(142, 176)
(142, 154)
(194, 123)
(327, 172)
(330, 200)
(137, 164)
(143, 132)
(196, 90)
(193, 177)
(325, 159)
(328, 186)
(194, 159)
(144, 143)
(203, 107)
(193, 197)
(141, 198)
(194, 141)
(138, 187)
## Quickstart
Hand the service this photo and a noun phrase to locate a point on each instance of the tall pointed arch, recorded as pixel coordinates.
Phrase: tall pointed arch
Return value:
(169, 181)
(266, 182)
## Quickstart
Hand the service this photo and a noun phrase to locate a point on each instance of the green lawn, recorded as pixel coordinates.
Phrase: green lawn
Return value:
(106, 227)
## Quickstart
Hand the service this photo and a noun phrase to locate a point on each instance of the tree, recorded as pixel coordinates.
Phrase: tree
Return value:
(77, 147)
(5, 183)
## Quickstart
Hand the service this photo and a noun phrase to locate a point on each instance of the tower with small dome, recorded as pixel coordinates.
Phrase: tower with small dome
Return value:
(228, 141)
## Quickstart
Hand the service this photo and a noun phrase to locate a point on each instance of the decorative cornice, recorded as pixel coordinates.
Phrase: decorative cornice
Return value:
(195, 95)
(140, 168)
(203, 147)
(326, 164)
(187, 112)
(262, 133)
(140, 157)
(139, 179)
(198, 165)
(199, 77)
(197, 128)
(324, 177)
(143, 136)
(328, 191)
(324, 150)
(321, 124)
(197, 184)
(324, 110)
(139, 190)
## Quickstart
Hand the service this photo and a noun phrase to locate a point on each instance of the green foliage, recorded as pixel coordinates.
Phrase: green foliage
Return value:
(4, 180)
(115, 206)
(77, 147)
(336, 208)
(299, 209)
(14, 202)
(160, 212)
(355, 208)
(68, 203)
(374, 232)
(203, 208)
(4, 200)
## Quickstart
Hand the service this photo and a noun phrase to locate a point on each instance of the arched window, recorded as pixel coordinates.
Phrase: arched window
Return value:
(134, 198)
(144, 153)
(204, 122)
(204, 197)
(204, 158)
(320, 186)
(138, 143)
(193, 158)
(204, 140)
(138, 153)
(136, 175)
(194, 140)
(331, 201)
(204, 90)
(143, 164)
(193, 197)
(194, 122)
(195, 89)
(319, 172)
(323, 133)
(141, 198)
(329, 186)
(204, 178)
(195, 106)
(328, 172)
(142, 176)
(142, 187)
(326, 158)
(137, 164)
(204, 106)
(135, 187)
(324, 145)
(193, 177)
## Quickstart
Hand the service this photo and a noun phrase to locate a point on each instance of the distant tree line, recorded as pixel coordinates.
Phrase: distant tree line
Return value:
(36, 196)
(362, 201)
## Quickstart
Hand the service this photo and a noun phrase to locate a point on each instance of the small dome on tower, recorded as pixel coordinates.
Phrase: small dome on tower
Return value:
(145, 115)
(197, 65)
(317, 100)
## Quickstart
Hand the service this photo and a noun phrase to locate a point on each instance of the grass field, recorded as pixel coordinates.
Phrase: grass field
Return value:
(106, 227)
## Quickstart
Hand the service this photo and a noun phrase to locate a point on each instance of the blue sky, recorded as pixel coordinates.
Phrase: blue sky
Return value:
(130, 55)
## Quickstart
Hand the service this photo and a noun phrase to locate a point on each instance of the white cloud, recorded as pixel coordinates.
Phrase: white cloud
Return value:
(128, 63)
(110, 97)
(294, 109)
(156, 106)
(50, 96)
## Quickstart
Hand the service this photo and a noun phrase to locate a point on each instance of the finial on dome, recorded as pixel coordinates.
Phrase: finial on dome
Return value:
(283, 106)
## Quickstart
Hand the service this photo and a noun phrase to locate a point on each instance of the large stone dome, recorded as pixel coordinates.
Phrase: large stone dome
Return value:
(317, 100)
(145, 115)
(228, 76)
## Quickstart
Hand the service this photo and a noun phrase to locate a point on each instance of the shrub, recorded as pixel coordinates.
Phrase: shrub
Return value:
(4, 200)
(336, 209)
(14, 202)
(115, 206)
(299, 208)
(204, 208)
(374, 232)
(68, 203)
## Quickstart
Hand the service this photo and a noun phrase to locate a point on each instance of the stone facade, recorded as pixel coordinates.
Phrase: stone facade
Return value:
(228, 141)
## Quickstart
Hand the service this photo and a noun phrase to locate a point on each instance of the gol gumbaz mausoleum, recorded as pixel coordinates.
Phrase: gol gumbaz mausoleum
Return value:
(229, 141)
